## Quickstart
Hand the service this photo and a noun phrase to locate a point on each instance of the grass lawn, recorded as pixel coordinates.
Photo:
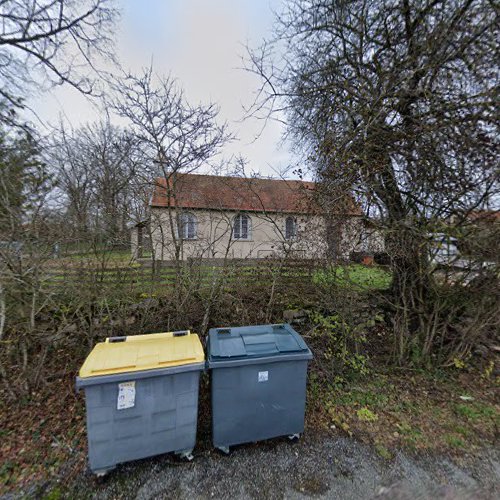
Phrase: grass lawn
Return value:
(354, 275)
(119, 281)
(93, 259)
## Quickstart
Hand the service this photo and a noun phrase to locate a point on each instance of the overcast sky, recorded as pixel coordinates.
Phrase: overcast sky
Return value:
(200, 42)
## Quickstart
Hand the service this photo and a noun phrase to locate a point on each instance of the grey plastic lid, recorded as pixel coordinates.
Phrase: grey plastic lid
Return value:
(246, 342)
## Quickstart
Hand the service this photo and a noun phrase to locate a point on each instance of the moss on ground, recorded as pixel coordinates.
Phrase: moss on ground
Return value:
(410, 410)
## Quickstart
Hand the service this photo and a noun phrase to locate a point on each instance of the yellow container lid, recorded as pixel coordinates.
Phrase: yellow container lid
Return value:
(143, 352)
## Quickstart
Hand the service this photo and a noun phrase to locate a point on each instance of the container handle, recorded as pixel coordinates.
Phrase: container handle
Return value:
(178, 333)
(181, 333)
(112, 340)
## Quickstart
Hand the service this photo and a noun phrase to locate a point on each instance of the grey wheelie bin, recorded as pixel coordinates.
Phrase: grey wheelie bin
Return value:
(141, 394)
(258, 383)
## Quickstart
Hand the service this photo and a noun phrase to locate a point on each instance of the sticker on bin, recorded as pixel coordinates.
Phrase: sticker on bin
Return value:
(263, 376)
(126, 395)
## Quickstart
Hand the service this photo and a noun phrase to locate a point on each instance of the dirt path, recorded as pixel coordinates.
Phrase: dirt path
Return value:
(322, 467)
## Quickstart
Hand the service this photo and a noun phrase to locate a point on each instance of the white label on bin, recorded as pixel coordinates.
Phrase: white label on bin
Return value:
(126, 395)
(263, 376)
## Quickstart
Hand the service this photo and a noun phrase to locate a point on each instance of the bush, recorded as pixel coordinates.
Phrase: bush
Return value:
(341, 341)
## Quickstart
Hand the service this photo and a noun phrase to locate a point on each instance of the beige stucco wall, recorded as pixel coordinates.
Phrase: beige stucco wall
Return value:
(357, 237)
(214, 236)
(267, 236)
(372, 241)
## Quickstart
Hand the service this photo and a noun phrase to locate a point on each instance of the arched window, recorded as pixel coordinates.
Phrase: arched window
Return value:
(188, 226)
(242, 227)
(290, 228)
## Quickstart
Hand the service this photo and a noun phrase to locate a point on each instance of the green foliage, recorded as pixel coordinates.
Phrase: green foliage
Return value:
(25, 180)
(54, 494)
(489, 370)
(454, 441)
(313, 388)
(459, 429)
(355, 276)
(405, 406)
(383, 451)
(476, 411)
(337, 418)
(366, 415)
(411, 435)
(338, 382)
(343, 340)
(7, 470)
(459, 363)
(362, 398)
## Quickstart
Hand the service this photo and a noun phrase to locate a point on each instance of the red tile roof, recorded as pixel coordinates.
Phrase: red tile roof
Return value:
(484, 215)
(235, 193)
(239, 193)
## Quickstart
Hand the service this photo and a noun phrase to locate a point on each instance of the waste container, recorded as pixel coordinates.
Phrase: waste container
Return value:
(141, 394)
(258, 383)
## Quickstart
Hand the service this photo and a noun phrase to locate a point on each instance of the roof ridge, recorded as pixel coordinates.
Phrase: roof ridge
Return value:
(238, 177)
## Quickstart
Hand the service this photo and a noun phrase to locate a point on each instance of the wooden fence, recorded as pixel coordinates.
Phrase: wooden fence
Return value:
(243, 273)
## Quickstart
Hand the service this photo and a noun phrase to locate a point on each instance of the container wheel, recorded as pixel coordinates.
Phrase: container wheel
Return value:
(102, 472)
(186, 455)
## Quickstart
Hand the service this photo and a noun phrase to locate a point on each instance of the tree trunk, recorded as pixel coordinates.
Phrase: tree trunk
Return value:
(410, 289)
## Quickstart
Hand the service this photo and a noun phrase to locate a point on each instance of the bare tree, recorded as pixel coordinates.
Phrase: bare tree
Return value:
(51, 41)
(75, 181)
(173, 135)
(395, 101)
(99, 172)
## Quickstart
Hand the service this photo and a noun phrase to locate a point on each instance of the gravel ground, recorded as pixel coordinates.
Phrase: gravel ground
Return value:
(316, 466)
